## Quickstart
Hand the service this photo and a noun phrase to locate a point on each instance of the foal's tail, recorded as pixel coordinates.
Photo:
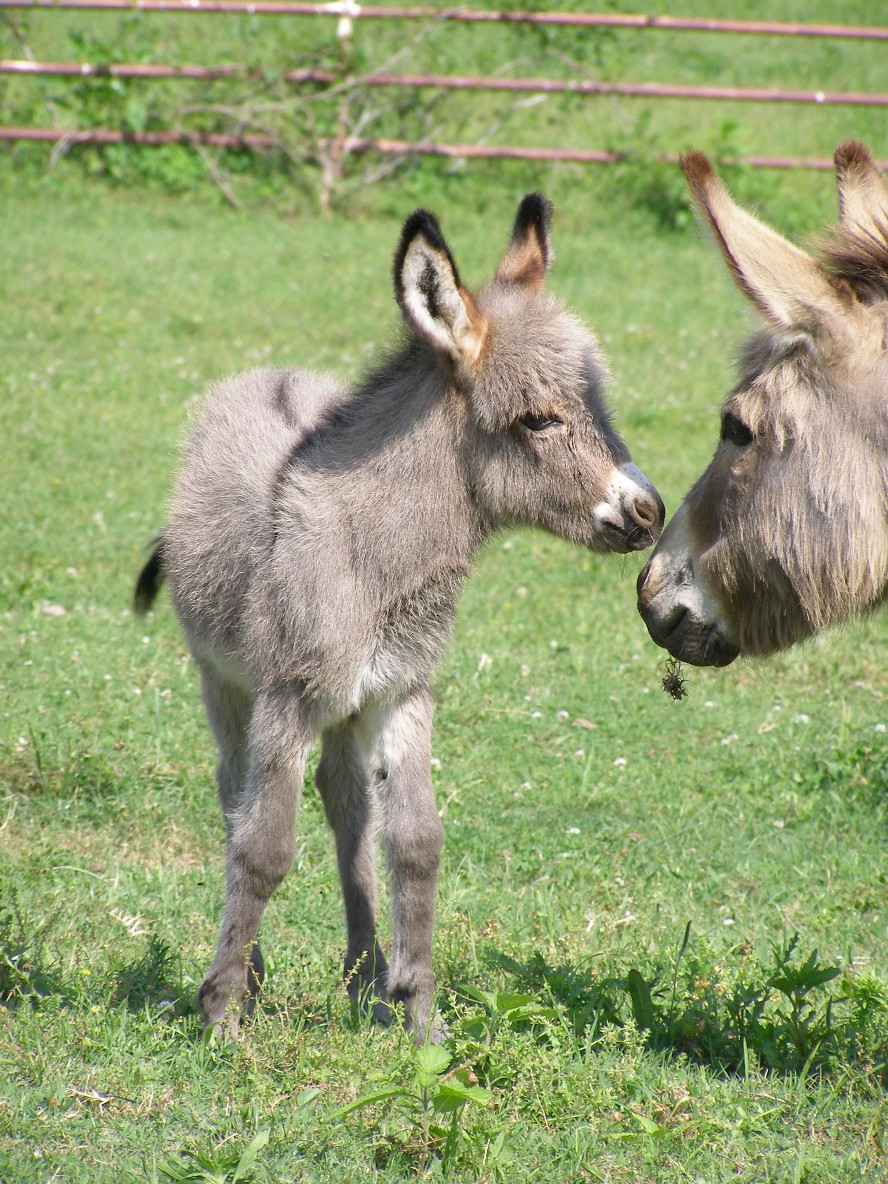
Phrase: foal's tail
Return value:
(150, 579)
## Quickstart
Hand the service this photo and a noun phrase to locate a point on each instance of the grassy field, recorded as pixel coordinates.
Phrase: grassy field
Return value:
(662, 941)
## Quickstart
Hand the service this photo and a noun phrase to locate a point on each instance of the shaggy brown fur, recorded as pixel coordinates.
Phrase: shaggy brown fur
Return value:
(786, 533)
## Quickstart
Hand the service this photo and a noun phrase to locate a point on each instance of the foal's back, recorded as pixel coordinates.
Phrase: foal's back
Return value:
(222, 513)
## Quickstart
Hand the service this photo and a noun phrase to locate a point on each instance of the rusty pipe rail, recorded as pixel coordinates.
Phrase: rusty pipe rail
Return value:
(655, 90)
(258, 141)
(346, 9)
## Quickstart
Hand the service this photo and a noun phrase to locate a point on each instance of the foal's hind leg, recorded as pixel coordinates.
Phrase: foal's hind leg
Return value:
(342, 782)
(260, 848)
(228, 709)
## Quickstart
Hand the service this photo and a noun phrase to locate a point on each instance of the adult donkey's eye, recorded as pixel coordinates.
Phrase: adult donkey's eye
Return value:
(538, 423)
(735, 431)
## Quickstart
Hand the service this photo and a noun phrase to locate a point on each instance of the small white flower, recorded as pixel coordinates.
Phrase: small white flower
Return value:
(536, 715)
(508, 545)
(525, 670)
(484, 662)
(620, 762)
(563, 715)
(730, 739)
(521, 592)
(708, 703)
(573, 830)
(435, 762)
(728, 921)
(553, 645)
(779, 823)
(580, 752)
(801, 718)
(137, 690)
(525, 785)
(881, 728)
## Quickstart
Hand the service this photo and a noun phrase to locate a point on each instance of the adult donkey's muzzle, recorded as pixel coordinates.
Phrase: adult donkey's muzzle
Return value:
(674, 613)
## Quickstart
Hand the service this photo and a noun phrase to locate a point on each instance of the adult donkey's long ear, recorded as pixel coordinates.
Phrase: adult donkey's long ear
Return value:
(529, 255)
(431, 295)
(863, 194)
(790, 289)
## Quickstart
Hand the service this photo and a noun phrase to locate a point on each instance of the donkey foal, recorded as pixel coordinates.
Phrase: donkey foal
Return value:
(317, 538)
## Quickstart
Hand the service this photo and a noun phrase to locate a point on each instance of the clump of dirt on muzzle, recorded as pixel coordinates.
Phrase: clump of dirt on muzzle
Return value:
(673, 683)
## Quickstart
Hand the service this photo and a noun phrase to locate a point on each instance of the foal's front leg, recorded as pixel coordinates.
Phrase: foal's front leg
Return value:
(260, 846)
(396, 743)
(343, 785)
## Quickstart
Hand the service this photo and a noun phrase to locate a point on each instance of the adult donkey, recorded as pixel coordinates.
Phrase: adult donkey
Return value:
(786, 532)
(317, 539)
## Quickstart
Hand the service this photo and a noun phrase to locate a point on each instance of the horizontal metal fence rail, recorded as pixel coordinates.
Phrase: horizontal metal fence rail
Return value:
(347, 11)
(647, 90)
(351, 11)
(348, 144)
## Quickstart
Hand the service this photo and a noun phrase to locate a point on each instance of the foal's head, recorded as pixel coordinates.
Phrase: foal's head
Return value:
(528, 378)
(786, 532)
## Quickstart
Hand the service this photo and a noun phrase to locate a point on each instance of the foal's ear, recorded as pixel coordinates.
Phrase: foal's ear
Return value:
(863, 194)
(431, 295)
(792, 291)
(529, 254)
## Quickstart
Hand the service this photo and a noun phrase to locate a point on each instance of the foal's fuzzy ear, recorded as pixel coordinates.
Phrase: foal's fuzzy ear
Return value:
(431, 295)
(792, 291)
(529, 254)
(863, 194)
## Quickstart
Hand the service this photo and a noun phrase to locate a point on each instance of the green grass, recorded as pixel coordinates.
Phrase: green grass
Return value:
(595, 1036)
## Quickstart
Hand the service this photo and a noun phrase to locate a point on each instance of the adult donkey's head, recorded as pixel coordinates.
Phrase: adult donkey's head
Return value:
(786, 532)
(538, 436)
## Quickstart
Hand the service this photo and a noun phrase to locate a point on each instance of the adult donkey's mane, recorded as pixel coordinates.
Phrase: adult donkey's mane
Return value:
(857, 252)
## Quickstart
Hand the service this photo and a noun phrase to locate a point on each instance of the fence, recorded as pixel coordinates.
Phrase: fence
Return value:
(346, 13)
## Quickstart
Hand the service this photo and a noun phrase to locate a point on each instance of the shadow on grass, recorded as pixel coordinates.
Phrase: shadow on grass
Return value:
(30, 972)
(153, 981)
(794, 1015)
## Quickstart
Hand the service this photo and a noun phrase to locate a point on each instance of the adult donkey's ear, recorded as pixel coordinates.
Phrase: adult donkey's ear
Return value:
(432, 297)
(792, 290)
(863, 194)
(529, 255)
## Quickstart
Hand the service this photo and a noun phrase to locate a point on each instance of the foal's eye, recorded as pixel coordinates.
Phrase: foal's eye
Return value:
(538, 423)
(735, 431)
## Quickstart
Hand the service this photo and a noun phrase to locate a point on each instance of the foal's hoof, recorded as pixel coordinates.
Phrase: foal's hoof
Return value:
(433, 1031)
(226, 1002)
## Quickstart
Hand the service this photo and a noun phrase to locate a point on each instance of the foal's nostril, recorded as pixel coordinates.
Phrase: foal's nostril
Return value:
(647, 512)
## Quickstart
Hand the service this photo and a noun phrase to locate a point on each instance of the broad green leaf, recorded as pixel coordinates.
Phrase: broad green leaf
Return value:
(452, 1095)
(249, 1157)
(379, 1095)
